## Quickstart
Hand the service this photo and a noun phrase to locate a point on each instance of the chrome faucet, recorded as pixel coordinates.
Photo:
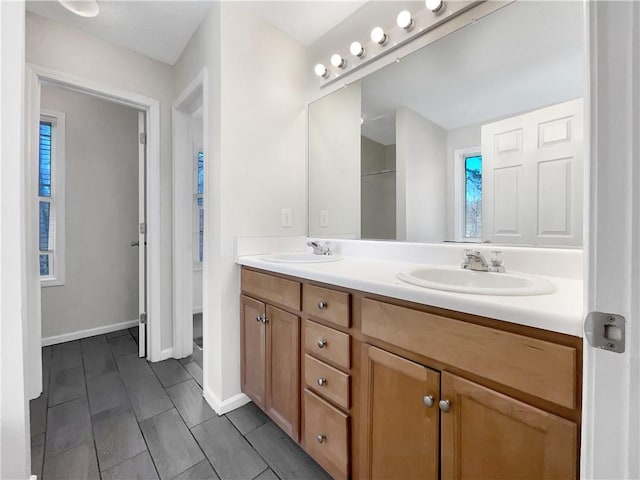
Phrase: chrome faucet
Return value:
(474, 260)
(320, 248)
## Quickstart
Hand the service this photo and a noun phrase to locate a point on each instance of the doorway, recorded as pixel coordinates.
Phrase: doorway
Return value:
(142, 237)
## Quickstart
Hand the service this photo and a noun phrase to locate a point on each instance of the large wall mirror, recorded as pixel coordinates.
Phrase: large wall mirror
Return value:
(478, 136)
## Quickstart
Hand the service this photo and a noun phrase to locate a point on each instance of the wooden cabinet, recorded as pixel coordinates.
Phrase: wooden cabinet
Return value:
(401, 417)
(270, 366)
(377, 388)
(486, 434)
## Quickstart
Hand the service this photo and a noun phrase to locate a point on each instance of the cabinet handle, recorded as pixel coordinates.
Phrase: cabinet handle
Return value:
(428, 401)
(321, 438)
(264, 320)
(445, 405)
(322, 382)
(322, 305)
(259, 318)
(321, 343)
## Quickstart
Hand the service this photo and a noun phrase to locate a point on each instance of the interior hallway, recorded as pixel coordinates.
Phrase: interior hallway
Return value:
(105, 413)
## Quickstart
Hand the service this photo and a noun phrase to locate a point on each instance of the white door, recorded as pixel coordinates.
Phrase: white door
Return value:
(532, 177)
(142, 237)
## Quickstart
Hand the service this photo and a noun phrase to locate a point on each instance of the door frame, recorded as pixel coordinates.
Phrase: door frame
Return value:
(35, 77)
(195, 95)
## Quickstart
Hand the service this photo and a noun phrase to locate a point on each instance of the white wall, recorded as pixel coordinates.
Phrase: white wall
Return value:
(334, 163)
(255, 149)
(14, 410)
(421, 178)
(52, 45)
(101, 285)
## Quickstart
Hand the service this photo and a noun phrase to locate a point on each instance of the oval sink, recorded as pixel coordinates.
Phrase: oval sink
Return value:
(300, 257)
(483, 283)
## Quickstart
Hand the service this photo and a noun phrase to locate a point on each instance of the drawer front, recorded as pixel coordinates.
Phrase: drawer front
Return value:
(327, 381)
(537, 367)
(327, 343)
(326, 435)
(273, 289)
(326, 304)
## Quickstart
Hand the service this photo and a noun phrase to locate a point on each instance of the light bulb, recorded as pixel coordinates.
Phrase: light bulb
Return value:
(321, 70)
(378, 36)
(434, 5)
(404, 20)
(357, 50)
(338, 61)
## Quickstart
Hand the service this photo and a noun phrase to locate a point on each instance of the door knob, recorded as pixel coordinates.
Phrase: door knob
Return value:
(322, 382)
(321, 342)
(428, 401)
(321, 438)
(322, 305)
(445, 405)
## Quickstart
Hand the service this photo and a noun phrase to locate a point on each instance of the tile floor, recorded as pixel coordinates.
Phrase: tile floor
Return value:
(105, 413)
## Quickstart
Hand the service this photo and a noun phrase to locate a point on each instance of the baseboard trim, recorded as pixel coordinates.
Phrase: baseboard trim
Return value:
(197, 309)
(225, 406)
(91, 332)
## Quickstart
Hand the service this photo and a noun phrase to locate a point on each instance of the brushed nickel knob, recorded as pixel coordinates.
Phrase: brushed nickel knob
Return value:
(321, 438)
(259, 318)
(428, 401)
(322, 305)
(321, 343)
(445, 405)
(264, 320)
(322, 382)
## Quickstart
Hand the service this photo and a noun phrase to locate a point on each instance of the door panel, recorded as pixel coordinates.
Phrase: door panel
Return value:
(401, 431)
(142, 238)
(252, 337)
(489, 435)
(283, 372)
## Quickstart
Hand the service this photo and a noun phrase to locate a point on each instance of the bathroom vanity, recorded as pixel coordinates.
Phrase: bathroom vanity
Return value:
(373, 384)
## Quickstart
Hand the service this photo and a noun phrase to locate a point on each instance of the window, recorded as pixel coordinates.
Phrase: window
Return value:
(468, 194)
(473, 196)
(51, 198)
(198, 209)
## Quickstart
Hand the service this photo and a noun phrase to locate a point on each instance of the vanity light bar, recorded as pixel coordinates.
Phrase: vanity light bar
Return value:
(408, 27)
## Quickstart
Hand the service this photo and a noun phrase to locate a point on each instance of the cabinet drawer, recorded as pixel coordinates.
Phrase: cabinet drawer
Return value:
(537, 367)
(326, 304)
(327, 381)
(326, 435)
(273, 289)
(327, 343)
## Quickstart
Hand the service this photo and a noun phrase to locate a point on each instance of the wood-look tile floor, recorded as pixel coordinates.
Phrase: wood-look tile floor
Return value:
(107, 414)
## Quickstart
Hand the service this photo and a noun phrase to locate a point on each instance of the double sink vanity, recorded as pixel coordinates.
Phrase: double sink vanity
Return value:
(377, 377)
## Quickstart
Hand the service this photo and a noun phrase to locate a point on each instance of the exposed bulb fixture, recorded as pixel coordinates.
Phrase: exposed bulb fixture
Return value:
(378, 36)
(357, 50)
(84, 8)
(337, 61)
(405, 20)
(321, 71)
(434, 5)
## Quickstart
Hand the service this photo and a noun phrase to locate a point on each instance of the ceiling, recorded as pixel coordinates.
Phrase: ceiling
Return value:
(161, 29)
(524, 56)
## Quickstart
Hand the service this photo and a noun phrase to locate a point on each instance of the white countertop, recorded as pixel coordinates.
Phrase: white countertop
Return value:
(561, 311)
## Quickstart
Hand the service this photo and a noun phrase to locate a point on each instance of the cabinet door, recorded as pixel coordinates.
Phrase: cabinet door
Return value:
(400, 417)
(486, 434)
(283, 369)
(252, 347)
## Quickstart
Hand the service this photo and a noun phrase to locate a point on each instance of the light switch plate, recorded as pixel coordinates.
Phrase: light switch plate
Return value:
(324, 218)
(287, 220)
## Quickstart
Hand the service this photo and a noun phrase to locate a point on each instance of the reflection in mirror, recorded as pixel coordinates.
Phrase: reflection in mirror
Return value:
(475, 137)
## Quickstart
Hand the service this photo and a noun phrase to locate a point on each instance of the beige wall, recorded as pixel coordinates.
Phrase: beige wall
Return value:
(101, 170)
(64, 49)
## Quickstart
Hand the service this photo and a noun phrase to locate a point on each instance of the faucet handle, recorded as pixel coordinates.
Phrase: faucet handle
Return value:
(496, 259)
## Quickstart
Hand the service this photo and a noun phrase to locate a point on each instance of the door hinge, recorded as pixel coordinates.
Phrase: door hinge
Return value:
(605, 331)
(143, 228)
(143, 138)
(143, 318)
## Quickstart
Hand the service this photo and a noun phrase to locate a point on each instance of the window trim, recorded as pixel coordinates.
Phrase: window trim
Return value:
(459, 157)
(57, 199)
